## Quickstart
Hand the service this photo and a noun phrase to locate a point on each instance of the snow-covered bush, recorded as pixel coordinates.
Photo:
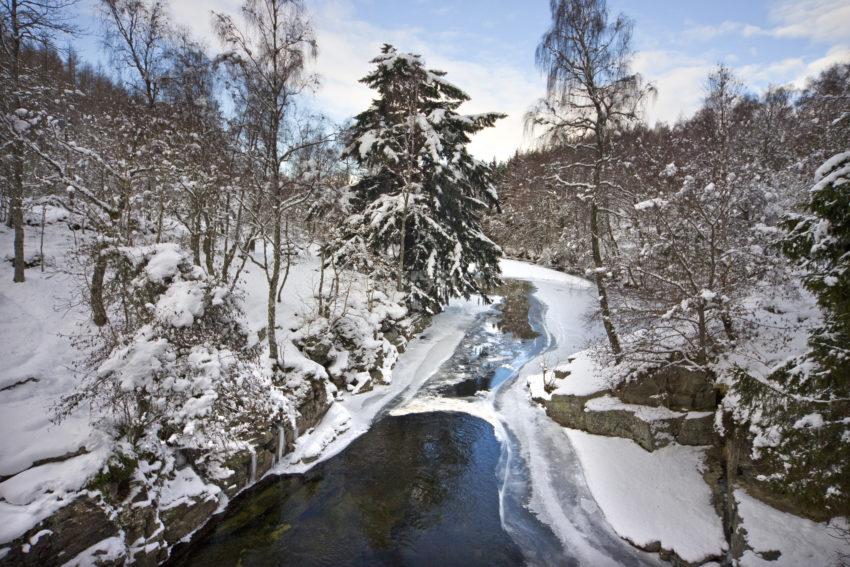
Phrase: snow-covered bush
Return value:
(188, 376)
(352, 339)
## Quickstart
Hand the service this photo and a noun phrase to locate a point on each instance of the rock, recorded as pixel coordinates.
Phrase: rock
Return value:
(648, 426)
(73, 529)
(314, 406)
(184, 519)
(673, 387)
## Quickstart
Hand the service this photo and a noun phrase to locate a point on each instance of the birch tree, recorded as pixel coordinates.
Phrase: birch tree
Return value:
(267, 52)
(591, 95)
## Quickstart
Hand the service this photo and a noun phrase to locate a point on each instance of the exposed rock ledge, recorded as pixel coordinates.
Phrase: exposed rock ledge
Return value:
(673, 405)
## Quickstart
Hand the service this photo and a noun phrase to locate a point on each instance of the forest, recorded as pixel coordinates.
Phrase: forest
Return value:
(238, 331)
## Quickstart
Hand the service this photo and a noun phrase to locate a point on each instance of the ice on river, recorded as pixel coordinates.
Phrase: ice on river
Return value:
(352, 416)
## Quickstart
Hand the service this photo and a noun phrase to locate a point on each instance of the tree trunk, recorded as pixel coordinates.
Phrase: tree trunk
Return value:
(98, 310)
(401, 244)
(273, 281)
(195, 240)
(322, 283)
(703, 335)
(209, 247)
(17, 211)
(601, 288)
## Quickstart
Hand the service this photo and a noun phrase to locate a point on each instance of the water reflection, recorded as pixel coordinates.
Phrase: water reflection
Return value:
(415, 490)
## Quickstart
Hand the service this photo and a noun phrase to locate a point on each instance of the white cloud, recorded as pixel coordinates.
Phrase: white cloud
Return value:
(679, 80)
(816, 20)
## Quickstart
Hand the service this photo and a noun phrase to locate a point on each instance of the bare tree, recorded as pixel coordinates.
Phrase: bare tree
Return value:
(23, 22)
(136, 35)
(267, 54)
(591, 95)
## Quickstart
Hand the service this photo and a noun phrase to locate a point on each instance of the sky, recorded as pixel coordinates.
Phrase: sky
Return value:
(487, 48)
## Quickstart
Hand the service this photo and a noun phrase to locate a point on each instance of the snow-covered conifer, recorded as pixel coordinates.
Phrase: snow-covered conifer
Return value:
(419, 203)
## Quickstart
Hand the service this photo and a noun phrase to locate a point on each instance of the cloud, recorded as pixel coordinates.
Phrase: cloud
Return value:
(679, 80)
(348, 44)
(820, 21)
(817, 20)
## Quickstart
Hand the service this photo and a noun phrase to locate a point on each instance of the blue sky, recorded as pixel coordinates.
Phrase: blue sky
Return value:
(487, 48)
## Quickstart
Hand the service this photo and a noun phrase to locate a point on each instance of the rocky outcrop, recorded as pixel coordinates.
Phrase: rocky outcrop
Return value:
(655, 409)
(649, 426)
(674, 387)
(62, 536)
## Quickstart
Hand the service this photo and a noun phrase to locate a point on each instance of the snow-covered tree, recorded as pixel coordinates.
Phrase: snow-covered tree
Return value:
(799, 412)
(419, 202)
(592, 95)
(266, 54)
(23, 24)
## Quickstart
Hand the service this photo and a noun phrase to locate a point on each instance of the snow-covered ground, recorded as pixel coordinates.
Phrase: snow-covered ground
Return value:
(591, 490)
(800, 541)
(649, 497)
(38, 320)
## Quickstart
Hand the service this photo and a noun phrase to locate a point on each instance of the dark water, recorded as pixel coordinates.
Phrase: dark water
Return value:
(415, 490)
(420, 489)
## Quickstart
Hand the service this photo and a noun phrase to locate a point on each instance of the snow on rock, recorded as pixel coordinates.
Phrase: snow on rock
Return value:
(336, 421)
(185, 487)
(107, 550)
(800, 541)
(645, 413)
(33, 495)
(583, 378)
(652, 497)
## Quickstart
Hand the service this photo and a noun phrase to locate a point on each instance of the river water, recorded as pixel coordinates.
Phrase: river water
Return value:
(437, 480)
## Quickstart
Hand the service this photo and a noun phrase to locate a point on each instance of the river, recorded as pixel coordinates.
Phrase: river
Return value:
(462, 471)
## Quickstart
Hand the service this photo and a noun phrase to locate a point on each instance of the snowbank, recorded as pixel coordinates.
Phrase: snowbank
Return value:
(800, 541)
(583, 378)
(652, 497)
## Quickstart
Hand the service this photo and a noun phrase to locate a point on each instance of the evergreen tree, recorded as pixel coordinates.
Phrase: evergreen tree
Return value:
(417, 208)
(800, 413)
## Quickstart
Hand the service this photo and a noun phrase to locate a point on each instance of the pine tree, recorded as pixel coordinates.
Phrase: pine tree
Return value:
(418, 206)
(802, 408)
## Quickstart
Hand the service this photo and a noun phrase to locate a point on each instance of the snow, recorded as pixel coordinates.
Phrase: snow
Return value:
(650, 204)
(109, 549)
(585, 378)
(181, 303)
(800, 541)
(33, 495)
(648, 497)
(38, 356)
(813, 420)
(185, 487)
(645, 413)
